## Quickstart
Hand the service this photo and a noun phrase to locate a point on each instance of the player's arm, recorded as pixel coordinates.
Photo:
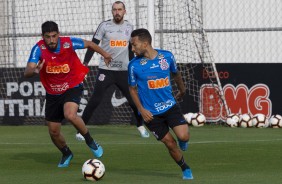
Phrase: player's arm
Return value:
(89, 52)
(33, 68)
(91, 45)
(180, 85)
(146, 115)
(34, 63)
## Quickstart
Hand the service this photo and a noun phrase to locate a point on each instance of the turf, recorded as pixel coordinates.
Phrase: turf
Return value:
(216, 154)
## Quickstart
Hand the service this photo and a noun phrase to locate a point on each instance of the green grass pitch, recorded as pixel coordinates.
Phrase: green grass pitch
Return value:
(216, 154)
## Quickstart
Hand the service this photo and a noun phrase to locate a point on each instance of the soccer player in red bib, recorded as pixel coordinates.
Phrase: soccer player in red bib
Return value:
(62, 73)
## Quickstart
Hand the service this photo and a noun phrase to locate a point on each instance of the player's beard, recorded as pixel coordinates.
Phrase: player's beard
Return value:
(118, 18)
(52, 46)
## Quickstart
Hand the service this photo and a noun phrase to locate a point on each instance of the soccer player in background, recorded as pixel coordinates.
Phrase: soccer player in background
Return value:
(114, 36)
(149, 80)
(62, 73)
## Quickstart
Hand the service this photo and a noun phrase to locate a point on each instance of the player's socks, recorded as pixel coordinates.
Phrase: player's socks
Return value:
(182, 164)
(183, 145)
(96, 149)
(186, 171)
(66, 158)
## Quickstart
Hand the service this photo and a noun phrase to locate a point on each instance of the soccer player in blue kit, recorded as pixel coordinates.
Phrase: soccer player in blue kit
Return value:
(149, 85)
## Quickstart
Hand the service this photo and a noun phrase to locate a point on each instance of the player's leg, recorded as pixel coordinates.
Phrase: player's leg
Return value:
(54, 115)
(59, 141)
(178, 124)
(176, 154)
(183, 135)
(72, 99)
(103, 81)
(161, 131)
(122, 84)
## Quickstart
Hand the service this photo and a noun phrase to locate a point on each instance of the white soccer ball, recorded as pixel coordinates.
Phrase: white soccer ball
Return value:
(188, 117)
(232, 120)
(275, 121)
(259, 120)
(93, 170)
(245, 121)
(198, 119)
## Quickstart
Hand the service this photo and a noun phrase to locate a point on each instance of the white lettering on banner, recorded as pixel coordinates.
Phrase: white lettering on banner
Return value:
(19, 105)
(25, 88)
(82, 105)
(23, 107)
(12, 87)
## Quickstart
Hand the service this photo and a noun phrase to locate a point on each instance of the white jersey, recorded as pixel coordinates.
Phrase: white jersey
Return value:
(114, 39)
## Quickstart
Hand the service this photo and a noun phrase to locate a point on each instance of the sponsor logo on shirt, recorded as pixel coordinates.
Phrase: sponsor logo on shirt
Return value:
(158, 83)
(43, 46)
(60, 87)
(143, 61)
(66, 45)
(118, 43)
(58, 69)
(160, 106)
(154, 66)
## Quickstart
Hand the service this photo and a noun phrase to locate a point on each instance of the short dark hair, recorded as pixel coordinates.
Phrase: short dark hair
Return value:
(143, 35)
(119, 2)
(49, 26)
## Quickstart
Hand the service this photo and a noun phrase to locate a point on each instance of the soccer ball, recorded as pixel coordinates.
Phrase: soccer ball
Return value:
(188, 117)
(245, 121)
(232, 120)
(259, 120)
(275, 121)
(93, 170)
(198, 119)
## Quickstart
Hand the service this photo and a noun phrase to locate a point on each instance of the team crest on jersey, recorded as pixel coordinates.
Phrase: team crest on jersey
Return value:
(66, 45)
(143, 61)
(164, 64)
(101, 77)
(43, 46)
(127, 32)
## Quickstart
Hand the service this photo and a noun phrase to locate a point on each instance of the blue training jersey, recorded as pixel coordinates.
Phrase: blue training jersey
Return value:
(152, 78)
(35, 54)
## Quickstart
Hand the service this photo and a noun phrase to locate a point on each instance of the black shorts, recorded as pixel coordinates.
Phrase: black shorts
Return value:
(161, 123)
(54, 109)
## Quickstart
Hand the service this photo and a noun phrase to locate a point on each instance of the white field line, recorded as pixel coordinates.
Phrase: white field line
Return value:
(143, 143)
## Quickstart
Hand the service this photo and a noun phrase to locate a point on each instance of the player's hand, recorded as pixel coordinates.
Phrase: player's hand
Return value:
(39, 66)
(108, 58)
(146, 115)
(179, 96)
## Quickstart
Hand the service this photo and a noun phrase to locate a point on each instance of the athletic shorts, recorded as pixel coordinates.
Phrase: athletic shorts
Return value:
(54, 109)
(161, 123)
